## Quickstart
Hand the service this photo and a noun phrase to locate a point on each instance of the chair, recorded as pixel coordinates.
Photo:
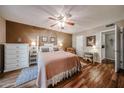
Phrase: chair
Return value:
(71, 50)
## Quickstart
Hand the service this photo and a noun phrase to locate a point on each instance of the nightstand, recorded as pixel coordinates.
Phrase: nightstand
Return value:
(33, 55)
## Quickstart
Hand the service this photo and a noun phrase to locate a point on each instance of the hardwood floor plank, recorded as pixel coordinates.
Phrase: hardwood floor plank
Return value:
(91, 76)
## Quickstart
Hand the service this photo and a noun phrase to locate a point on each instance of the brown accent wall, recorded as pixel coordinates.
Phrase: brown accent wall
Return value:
(21, 33)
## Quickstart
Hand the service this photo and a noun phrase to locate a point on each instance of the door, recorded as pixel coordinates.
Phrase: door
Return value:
(110, 46)
(117, 48)
(79, 46)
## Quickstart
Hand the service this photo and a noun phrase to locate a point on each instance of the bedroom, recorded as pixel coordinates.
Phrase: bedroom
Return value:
(61, 46)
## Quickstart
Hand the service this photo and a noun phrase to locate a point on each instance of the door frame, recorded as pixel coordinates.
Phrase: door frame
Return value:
(113, 33)
(115, 29)
(101, 41)
(117, 48)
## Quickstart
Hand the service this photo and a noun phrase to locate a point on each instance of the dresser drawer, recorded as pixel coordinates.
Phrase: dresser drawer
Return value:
(11, 61)
(15, 52)
(8, 56)
(23, 60)
(15, 46)
(11, 67)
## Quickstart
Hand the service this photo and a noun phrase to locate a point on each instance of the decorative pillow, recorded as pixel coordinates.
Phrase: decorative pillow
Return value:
(48, 45)
(51, 49)
(45, 49)
(55, 49)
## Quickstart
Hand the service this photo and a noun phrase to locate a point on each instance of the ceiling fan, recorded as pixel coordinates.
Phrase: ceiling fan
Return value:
(61, 20)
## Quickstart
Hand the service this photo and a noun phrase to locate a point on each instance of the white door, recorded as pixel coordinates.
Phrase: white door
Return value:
(117, 48)
(110, 46)
(79, 46)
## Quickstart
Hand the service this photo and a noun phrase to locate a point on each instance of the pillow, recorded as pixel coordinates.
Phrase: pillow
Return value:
(51, 49)
(55, 49)
(49, 45)
(45, 49)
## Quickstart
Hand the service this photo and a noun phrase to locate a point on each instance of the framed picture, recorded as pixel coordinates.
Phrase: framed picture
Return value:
(44, 38)
(52, 39)
(91, 40)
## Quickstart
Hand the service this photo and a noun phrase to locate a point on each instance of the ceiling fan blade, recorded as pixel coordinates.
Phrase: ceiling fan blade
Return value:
(53, 24)
(52, 18)
(70, 23)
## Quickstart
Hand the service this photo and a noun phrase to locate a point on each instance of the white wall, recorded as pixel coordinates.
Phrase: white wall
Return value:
(91, 32)
(90, 49)
(2, 30)
(79, 45)
(103, 43)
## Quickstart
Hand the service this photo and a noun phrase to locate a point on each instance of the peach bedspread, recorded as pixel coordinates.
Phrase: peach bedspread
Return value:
(51, 64)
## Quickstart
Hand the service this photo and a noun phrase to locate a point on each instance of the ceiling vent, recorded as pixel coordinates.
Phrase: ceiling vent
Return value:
(109, 25)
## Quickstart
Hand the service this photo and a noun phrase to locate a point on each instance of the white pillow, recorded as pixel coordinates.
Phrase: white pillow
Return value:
(49, 45)
(50, 49)
(40, 48)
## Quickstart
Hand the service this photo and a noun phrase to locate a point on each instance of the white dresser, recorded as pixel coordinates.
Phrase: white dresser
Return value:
(16, 56)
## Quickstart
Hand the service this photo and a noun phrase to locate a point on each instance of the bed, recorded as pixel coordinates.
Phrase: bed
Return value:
(55, 66)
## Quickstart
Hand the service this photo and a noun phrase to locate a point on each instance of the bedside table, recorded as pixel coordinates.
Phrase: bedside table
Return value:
(33, 55)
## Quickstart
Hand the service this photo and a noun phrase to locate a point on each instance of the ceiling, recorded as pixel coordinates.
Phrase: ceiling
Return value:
(85, 16)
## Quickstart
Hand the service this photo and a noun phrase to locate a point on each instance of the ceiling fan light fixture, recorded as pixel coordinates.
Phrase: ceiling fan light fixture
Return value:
(59, 23)
(63, 24)
(64, 19)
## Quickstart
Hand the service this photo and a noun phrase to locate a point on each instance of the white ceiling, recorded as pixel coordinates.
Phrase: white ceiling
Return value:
(85, 17)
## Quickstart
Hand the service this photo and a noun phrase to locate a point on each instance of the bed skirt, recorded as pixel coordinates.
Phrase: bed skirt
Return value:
(59, 77)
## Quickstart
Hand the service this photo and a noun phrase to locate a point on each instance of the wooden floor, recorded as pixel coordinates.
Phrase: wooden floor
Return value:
(91, 76)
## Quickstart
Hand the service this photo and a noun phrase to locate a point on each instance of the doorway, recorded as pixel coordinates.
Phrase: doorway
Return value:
(108, 46)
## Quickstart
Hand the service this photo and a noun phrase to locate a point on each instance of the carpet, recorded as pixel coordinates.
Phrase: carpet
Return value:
(26, 75)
